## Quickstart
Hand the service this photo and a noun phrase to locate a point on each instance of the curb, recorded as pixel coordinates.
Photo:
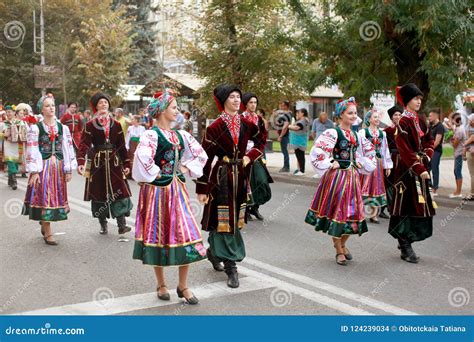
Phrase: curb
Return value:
(305, 181)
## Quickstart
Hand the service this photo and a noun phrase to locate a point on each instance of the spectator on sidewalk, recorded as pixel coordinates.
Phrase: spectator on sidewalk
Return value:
(299, 139)
(437, 132)
(458, 143)
(469, 146)
(119, 115)
(283, 119)
(320, 124)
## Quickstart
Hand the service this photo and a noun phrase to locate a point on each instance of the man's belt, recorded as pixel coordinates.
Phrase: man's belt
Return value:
(227, 160)
(104, 147)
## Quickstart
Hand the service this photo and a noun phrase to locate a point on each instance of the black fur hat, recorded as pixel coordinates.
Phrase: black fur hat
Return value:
(222, 92)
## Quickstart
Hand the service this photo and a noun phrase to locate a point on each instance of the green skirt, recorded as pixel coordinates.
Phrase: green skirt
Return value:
(227, 246)
(411, 228)
(259, 183)
(120, 207)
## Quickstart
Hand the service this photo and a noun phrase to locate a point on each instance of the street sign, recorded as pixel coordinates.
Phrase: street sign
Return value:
(47, 76)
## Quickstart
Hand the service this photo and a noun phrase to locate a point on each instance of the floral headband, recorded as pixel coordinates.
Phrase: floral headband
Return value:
(342, 105)
(41, 101)
(161, 101)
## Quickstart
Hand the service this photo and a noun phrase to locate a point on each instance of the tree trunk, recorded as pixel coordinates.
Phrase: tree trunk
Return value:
(408, 59)
(233, 51)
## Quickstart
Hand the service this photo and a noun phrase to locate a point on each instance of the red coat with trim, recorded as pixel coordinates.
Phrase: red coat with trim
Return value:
(217, 179)
(411, 194)
(106, 174)
(74, 123)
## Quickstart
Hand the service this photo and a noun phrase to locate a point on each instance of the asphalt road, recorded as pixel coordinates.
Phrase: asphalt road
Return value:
(290, 269)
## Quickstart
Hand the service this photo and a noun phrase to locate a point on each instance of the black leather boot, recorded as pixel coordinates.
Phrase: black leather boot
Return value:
(103, 226)
(216, 263)
(407, 252)
(383, 214)
(254, 211)
(231, 271)
(122, 225)
(233, 279)
(14, 184)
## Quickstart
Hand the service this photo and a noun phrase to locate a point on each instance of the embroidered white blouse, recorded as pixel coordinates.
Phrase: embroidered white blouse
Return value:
(144, 168)
(321, 153)
(384, 151)
(34, 160)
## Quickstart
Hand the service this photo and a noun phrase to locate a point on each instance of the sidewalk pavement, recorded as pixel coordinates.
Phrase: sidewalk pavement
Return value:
(446, 178)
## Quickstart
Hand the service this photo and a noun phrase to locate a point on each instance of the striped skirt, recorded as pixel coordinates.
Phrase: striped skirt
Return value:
(166, 231)
(373, 187)
(337, 207)
(47, 199)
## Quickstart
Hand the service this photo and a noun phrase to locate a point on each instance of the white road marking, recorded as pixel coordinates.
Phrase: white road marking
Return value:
(80, 206)
(311, 295)
(330, 288)
(149, 300)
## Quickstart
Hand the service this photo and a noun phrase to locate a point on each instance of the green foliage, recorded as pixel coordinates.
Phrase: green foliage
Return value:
(370, 45)
(248, 43)
(66, 26)
(145, 66)
(104, 55)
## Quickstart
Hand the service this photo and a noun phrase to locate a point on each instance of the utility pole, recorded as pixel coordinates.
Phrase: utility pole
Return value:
(41, 38)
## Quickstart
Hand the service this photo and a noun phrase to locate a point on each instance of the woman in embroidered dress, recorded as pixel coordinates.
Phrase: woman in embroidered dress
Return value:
(166, 231)
(133, 137)
(339, 155)
(373, 187)
(50, 160)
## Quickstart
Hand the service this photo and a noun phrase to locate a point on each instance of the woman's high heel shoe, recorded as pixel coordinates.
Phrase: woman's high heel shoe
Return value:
(192, 300)
(163, 296)
(347, 253)
(50, 242)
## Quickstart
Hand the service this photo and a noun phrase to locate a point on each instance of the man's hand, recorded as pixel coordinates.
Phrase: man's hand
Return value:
(425, 175)
(245, 161)
(203, 199)
(335, 165)
(387, 172)
(126, 171)
(68, 177)
(81, 169)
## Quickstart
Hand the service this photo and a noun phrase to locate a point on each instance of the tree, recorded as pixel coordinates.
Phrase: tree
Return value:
(247, 43)
(16, 53)
(64, 28)
(104, 55)
(145, 65)
(372, 46)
